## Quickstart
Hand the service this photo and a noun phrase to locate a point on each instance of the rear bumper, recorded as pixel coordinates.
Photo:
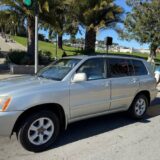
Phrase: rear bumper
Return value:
(7, 122)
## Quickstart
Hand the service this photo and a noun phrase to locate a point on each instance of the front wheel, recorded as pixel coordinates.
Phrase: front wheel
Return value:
(39, 131)
(139, 107)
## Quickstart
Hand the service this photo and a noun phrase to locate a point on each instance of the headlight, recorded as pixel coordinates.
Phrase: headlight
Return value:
(4, 103)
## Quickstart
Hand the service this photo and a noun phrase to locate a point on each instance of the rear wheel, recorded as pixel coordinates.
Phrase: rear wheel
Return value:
(139, 106)
(39, 131)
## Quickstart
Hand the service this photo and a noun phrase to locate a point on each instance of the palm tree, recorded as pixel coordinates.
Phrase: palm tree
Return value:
(18, 8)
(10, 22)
(59, 19)
(3, 16)
(96, 15)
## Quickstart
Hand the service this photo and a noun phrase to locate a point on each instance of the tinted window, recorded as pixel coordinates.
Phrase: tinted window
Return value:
(120, 67)
(94, 69)
(139, 68)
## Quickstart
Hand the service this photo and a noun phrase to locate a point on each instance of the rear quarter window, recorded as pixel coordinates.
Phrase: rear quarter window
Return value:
(139, 68)
(120, 67)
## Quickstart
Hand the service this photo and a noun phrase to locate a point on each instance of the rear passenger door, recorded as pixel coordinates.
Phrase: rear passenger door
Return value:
(124, 84)
(141, 73)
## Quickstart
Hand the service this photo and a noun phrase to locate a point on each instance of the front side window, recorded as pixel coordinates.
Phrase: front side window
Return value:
(139, 68)
(94, 69)
(59, 69)
(120, 67)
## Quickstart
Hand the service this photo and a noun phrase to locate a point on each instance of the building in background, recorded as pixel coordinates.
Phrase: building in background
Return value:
(100, 46)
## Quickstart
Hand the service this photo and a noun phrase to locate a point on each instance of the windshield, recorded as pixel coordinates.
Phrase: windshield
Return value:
(59, 69)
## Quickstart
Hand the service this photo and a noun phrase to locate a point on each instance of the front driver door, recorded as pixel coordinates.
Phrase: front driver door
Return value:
(91, 96)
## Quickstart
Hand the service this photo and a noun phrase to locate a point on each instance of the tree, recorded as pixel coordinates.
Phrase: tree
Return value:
(95, 15)
(17, 7)
(143, 23)
(73, 39)
(12, 23)
(3, 16)
(60, 19)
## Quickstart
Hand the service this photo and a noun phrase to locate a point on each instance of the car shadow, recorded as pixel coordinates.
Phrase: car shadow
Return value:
(95, 126)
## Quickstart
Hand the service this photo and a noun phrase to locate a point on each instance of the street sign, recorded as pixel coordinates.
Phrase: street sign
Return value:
(27, 3)
(108, 42)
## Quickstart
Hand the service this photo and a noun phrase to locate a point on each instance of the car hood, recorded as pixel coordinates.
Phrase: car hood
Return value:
(23, 83)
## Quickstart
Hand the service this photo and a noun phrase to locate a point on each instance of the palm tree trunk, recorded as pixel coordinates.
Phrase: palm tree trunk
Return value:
(60, 41)
(31, 36)
(90, 40)
(153, 49)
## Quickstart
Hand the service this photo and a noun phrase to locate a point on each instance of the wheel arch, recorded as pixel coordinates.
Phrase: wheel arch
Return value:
(146, 93)
(56, 108)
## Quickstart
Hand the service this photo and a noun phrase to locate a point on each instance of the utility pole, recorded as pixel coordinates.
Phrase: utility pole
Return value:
(28, 4)
(56, 46)
(108, 42)
(36, 36)
(107, 47)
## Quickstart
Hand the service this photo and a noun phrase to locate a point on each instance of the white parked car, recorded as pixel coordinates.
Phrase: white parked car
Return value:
(157, 73)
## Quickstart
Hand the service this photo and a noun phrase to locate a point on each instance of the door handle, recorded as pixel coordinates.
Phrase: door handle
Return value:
(134, 80)
(107, 84)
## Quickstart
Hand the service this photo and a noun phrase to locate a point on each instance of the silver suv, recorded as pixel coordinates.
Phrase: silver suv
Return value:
(38, 107)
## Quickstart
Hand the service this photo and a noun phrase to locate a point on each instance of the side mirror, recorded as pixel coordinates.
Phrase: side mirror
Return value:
(79, 77)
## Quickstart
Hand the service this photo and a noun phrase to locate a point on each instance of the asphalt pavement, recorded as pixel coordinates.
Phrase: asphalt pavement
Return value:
(110, 137)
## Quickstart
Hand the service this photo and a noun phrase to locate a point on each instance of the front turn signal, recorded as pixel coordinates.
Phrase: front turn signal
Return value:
(4, 103)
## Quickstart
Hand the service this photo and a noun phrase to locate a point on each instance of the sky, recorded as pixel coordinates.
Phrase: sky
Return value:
(101, 35)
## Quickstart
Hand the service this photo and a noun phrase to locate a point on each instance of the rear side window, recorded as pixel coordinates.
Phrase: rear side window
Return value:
(139, 68)
(120, 67)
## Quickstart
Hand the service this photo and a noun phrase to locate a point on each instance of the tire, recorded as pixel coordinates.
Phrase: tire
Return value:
(39, 131)
(139, 107)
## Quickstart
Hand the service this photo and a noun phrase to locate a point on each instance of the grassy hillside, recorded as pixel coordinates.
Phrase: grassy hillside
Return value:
(46, 46)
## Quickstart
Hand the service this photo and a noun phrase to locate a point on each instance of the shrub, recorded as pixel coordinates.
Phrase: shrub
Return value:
(16, 56)
(21, 58)
(41, 37)
(1, 55)
(45, 57)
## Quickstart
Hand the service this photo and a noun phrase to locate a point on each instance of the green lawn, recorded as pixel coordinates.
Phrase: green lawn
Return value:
(46, 46)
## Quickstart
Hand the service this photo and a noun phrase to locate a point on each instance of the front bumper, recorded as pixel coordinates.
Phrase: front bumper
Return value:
(7, 122)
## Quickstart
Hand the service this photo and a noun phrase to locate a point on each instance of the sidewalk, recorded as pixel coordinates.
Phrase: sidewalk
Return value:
(7, 46)
(4, 76)
(4, 46)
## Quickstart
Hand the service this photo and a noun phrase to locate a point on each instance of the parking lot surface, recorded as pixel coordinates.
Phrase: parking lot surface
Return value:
(111, 137)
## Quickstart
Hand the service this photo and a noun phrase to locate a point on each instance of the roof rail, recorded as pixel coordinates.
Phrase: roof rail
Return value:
(109, 54)
(115, 54)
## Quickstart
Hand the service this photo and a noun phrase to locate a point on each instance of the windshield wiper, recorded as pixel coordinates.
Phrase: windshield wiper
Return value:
(41, 76)
(56, 79)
